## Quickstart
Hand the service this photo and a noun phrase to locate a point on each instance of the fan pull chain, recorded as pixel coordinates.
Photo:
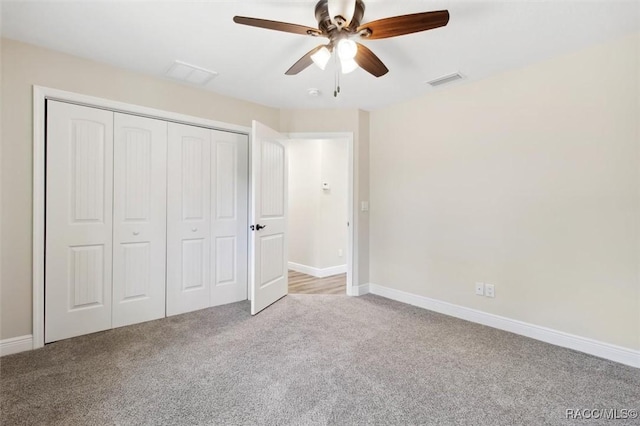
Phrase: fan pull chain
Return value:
(336, 79)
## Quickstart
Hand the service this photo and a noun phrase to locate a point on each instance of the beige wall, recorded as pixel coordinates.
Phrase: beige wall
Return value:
(304, 177)
(528, 180)
(25, 65)
(317, 216)
(357, 122)
(332, 230)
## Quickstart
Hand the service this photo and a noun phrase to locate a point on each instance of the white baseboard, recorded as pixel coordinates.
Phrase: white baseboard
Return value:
(358, 290)
(318, 272)
(16, 344)
(590, 346)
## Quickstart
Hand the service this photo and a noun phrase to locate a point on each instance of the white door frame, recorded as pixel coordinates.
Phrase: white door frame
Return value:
(40, 95)
(352, 246)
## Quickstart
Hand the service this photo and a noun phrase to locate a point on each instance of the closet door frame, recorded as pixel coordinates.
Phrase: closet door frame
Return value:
(40, 96)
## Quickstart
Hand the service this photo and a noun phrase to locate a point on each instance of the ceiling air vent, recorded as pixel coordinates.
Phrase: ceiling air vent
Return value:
(446, 79)
(190, 73)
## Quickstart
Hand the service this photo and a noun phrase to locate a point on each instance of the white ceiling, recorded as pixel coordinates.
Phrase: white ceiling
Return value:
(483, 38)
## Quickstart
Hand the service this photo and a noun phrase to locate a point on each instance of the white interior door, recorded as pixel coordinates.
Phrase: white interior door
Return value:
(139, 219)
(229, 211)
(78, 248)
(268, 242)
(188, 218)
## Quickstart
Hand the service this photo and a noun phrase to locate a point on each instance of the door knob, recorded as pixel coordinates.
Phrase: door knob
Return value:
(194, 229)
(259, 227)
(136, 232)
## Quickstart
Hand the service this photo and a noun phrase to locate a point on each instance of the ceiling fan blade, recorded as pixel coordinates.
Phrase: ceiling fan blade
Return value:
(368, 61)
(405, 24)
(303, 62)
(278, 26)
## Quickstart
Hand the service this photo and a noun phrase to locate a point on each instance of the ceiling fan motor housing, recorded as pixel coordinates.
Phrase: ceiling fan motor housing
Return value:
(326, 25)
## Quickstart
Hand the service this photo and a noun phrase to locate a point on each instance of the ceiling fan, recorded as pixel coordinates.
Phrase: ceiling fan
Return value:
(340, 22)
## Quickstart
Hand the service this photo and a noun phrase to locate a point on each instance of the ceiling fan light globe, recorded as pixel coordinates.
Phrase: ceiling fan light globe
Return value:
(348, 65)
(342, 8)
(347, 49)
(321, 58)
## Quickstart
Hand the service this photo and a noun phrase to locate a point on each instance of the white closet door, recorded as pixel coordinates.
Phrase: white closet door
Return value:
(229, 192)
(78, 220)
(188, 218)
(139, 219)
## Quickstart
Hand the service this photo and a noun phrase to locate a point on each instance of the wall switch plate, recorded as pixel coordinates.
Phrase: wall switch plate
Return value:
(339, 252)
(364, 206)
(480, 289)
(489, 290)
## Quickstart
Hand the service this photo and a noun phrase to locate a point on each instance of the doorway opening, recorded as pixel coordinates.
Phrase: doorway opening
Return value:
(320, 200)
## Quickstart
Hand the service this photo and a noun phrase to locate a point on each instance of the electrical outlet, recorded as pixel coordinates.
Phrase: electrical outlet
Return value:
(480, 289)
(489, 290)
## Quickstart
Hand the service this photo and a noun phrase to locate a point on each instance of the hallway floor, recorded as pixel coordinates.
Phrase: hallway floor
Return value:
(300, 283)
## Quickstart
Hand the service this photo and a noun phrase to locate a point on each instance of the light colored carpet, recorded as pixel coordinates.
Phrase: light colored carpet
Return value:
(309, 359)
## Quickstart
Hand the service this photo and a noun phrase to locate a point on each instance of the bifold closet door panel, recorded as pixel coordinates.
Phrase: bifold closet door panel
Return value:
(78, 248)
(229, 196)
(188, 218)
(139, 219)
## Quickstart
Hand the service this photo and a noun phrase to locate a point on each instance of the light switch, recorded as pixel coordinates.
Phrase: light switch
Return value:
(364, 206)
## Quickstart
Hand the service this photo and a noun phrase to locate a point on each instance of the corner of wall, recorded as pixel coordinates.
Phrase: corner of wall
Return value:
(364, 132)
